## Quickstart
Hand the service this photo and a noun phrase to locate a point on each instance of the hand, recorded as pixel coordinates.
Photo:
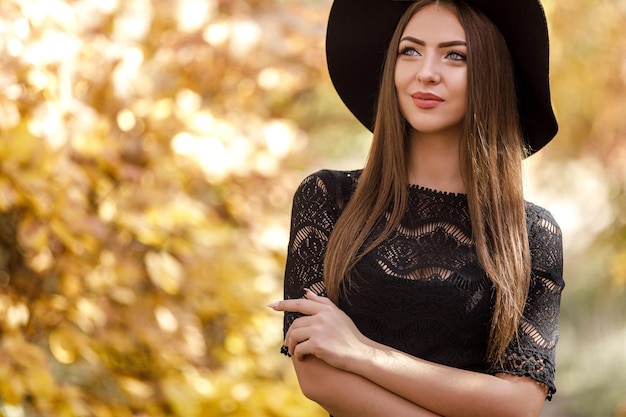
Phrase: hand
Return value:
(324, 331)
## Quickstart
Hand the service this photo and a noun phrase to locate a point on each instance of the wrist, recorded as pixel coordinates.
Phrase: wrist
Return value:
(361, 362)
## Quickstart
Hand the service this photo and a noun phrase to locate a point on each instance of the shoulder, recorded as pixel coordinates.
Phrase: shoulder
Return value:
(332, 178)
(541, 220)
(545, 241)
(336, 186)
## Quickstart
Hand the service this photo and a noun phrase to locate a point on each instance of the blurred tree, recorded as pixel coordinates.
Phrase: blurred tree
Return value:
(148, 152)
(582, 178)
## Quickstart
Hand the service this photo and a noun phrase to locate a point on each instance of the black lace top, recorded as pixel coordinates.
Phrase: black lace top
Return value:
(423, 290)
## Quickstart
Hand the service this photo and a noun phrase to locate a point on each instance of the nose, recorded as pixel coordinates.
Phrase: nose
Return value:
(428, 73)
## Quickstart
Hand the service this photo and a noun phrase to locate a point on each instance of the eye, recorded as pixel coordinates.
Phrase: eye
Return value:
(409, 51)
(456, 56)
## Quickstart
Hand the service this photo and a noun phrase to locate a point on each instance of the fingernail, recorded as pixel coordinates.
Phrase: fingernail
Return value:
(273, 305)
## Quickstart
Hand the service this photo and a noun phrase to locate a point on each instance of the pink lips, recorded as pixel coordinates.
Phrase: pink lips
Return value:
(426, 100)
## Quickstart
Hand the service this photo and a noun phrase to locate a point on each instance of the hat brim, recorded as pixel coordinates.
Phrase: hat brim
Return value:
(359, 32)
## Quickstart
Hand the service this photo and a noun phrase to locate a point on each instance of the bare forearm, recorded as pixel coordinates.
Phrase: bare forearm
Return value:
(449, 391)
(344, 394)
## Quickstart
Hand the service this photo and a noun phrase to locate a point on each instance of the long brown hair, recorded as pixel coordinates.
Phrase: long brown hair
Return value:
(491, 157)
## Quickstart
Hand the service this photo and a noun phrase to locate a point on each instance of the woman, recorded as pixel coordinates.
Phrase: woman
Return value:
(424, 285)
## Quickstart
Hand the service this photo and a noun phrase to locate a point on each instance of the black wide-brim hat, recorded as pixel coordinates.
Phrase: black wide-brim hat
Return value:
(359, 33)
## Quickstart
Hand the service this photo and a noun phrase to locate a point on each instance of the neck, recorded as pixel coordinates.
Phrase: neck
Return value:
(435, 162)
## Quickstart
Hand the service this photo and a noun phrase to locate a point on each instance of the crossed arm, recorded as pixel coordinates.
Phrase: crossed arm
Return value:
(351, 375)
(344, 394)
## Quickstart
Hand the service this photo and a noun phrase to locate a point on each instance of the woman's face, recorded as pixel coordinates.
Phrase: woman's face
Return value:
(431, 72)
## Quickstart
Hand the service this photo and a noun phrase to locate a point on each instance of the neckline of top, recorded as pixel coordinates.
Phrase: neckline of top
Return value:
(356, 174)
(432, 191)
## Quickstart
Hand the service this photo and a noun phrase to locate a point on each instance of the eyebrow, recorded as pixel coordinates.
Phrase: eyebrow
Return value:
(441, 45)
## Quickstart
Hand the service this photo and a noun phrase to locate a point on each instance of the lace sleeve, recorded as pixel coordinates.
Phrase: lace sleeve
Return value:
(314, 213)
(533, 353)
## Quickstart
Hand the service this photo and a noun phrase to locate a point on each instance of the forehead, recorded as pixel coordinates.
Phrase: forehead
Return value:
(437, 22)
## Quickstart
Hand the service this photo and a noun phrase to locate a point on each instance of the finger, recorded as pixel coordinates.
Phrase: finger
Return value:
(301, 350)
(300, 322)
(299, 305)
(295, 337)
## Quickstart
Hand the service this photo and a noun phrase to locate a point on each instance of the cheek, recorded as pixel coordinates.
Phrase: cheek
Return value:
(398, 83)
(462, 84)
(396, 78)
(457, 87)
(402, 74)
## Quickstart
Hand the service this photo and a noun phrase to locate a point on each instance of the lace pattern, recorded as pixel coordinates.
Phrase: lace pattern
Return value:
(423, 290)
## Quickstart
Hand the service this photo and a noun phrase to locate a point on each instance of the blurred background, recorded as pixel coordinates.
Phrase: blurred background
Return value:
(149, 151)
